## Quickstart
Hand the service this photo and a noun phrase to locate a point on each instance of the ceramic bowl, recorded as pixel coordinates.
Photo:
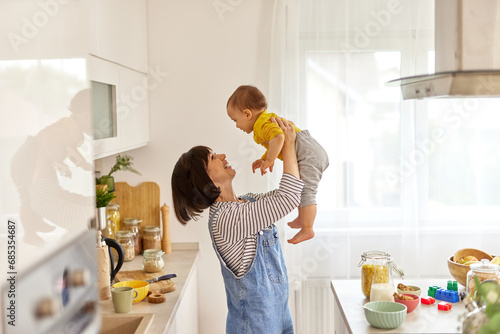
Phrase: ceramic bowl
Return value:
(142, 288)
(410, 304)
(385, 315)
(416, 290)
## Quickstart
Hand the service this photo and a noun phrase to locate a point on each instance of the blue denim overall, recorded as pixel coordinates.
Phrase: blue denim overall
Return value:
(258, 302)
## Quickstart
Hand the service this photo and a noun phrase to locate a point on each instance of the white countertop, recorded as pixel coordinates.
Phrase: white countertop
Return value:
(424, 319)
(181, 262)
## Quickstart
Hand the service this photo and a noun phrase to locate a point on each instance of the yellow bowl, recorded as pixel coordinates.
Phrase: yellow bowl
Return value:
(142, 288)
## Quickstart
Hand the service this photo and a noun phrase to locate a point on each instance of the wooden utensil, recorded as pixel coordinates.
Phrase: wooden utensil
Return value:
(166, 243)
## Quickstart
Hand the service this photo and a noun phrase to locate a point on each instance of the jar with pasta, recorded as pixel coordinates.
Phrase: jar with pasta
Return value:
(125, 239)
(152, 261)
(377, 266)
(484, 271)
(151, 238)
(113, 220)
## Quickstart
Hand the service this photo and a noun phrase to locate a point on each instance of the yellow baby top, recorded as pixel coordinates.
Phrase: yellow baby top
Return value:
(264, 130)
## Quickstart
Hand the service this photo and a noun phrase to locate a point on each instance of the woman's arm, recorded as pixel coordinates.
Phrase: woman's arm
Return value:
(290, 165)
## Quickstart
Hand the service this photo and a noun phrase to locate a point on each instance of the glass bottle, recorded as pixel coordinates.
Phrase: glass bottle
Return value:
(382, 288)
(367, 265)
(113, 220)
(151, 238)
(476, 317)
(125, 239)
(132, 224)
(153, 260)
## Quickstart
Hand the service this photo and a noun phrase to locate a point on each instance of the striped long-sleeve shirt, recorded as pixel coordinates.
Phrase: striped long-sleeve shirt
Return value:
(236, 224)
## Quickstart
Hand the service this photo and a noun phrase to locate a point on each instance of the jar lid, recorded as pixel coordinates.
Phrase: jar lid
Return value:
(153, 252)
(151, 229)
(113, 206)
(379, 255)
(124, 234)
(131, 221)
(485, 266)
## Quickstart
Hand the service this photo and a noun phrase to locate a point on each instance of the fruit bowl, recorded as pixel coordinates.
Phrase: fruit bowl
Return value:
(458, 271)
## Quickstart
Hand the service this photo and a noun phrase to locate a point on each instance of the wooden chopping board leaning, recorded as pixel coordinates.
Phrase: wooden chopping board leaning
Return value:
(143, 202)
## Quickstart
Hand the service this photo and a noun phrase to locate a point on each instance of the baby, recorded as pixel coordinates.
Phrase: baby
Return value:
(247, 108)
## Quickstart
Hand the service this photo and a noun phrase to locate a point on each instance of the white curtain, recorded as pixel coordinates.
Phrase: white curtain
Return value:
(417, 179)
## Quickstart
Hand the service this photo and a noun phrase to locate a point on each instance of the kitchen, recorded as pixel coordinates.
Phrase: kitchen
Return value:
(194, 55)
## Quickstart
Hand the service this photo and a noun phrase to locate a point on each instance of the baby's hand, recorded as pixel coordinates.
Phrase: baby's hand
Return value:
(256, 164)
(266, 165)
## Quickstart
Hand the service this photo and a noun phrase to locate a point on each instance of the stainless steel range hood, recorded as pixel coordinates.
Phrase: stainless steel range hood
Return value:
(467, 44)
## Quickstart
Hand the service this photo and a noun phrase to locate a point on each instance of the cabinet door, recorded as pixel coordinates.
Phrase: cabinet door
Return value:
(119, 32)
(132, 109)
(186, 317)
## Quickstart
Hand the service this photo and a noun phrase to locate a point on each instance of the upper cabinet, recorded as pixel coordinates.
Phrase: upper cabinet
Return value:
(119, 32)
(118, 67)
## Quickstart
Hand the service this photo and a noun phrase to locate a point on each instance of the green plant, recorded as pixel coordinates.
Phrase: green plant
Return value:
(103, 196)
(488, 294)
(123, 163)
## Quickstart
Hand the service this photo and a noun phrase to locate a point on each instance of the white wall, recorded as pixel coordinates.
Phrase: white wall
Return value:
(207, 54)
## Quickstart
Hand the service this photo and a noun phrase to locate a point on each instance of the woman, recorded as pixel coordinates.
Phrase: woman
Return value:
(243, 233)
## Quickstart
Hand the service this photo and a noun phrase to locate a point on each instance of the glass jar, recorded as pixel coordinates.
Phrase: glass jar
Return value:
(153, 260)
(369, 274)
(132, 225)
(113, 220)
(151, 238)
(484, 271)
(125, 238)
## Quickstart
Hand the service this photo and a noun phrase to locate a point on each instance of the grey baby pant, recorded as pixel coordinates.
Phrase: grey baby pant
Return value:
(313, 160)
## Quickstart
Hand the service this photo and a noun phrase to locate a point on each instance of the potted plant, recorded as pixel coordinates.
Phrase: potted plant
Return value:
(123, 163)
(102, 198)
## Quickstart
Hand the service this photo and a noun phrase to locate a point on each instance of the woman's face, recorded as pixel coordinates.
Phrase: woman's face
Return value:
(218, 169)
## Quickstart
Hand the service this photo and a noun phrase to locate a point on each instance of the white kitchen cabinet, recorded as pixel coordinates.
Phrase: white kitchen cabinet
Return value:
(119, 57)
(186, 317)
(132, 107)
(119, 32)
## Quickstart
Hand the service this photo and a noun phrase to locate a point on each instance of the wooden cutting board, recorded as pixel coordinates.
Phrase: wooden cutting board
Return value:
(141, 202)
(156, 287)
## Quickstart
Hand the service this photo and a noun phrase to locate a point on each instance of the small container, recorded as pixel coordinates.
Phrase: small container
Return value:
(125, 238)
(151, 238)
(484, 271)
(132, 224)
(153, 260)
(370, 261)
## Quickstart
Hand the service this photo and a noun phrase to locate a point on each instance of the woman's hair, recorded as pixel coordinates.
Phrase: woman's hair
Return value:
(192, 189)
(247, 97)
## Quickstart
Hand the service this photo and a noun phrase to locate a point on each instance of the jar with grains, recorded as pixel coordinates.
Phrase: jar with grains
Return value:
(368, 269)
(151, 238)
(113, 220)
(152, 261)
(132, 224)
(125, 239)
(484, 271)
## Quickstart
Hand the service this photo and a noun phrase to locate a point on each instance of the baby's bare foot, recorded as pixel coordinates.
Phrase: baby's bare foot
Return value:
(303, 235)
(296, 223)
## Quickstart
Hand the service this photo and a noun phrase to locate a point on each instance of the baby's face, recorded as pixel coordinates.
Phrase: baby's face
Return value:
(243, 120)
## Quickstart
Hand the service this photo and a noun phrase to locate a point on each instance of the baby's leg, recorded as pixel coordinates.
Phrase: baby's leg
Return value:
(297, 222)
(307, 215)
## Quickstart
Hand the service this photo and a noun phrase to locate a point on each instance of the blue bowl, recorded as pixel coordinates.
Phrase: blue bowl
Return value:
(385, 315)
